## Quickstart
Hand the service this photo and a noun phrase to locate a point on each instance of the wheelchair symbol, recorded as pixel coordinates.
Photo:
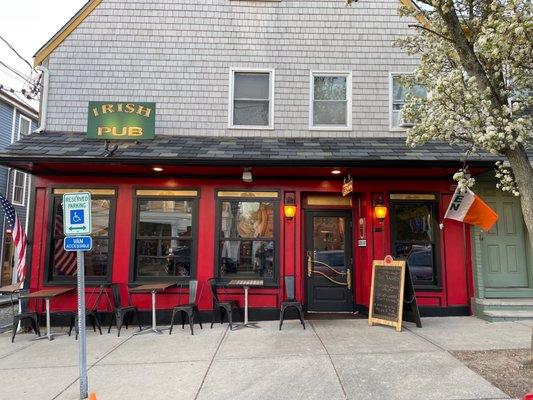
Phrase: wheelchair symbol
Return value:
(76, 216)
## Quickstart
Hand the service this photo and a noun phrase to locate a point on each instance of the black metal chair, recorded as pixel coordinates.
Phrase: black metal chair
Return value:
(189, 310)
(290, 302)
(32, 316)
(91, 313)
(122, 313)
(92, 316)
(222, 307)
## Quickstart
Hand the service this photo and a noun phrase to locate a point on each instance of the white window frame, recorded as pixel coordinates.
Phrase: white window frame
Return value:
(21, 117)
(271, 72)
(25, 180)
(348, 126)
(393, 75)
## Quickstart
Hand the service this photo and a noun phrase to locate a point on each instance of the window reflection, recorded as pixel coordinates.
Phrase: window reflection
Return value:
(247, 246)
(414, 239)
(96, 261)
(164, 238)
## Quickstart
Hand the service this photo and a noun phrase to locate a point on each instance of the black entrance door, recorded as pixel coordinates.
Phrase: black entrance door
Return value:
(328, 261)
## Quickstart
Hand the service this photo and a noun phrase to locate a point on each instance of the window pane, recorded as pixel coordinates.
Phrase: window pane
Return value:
(63, 262)
(420, 261)
(247, 219)
(100, 217)
(250, 113)
(413, 222)
(330, 88)
(163, 257)
(398, 90)
(246, 259)
(24, 127)
(162, 218)
(18, 194)
(19, 178)
(252, 85)
(329, 113)
(96, 259)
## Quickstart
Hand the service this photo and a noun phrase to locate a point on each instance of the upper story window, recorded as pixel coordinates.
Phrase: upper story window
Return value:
(165, 238)
(331, 101)
(24, 126)
(399, 92)
(19, 188)
(251, 99)
(62, 266)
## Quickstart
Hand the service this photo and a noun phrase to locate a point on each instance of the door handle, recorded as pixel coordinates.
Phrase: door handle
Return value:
(349, 278)
(309, 264)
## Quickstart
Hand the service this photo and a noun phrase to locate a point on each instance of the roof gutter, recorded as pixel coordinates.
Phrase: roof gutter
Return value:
(44, 98)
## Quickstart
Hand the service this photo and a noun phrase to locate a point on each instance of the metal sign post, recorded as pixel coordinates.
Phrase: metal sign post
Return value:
(82, 339)
(77, 221)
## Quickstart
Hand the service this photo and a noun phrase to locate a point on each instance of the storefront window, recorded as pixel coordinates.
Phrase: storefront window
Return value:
(164, 238)
(63, 264)
(414, 239)
(247, 239)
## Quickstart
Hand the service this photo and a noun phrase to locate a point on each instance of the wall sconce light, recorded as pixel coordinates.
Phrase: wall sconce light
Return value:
(289, 207)
(380, 210)
(247, 175)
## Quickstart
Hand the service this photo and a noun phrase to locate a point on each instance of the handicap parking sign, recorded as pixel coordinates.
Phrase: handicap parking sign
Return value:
(77, 213)
(77, 217)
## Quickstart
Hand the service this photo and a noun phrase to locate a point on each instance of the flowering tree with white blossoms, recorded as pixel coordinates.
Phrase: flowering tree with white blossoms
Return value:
(476, 62)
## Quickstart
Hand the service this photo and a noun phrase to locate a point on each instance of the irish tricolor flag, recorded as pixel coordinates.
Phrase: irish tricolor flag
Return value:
(469, 208)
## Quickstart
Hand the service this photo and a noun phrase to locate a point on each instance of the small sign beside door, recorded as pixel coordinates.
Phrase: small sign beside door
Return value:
(392, 295)
(347, 186)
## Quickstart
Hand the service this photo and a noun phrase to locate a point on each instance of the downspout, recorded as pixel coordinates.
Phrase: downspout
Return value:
(44, 98)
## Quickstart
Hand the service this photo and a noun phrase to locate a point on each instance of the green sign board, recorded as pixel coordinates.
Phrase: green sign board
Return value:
(121, 120)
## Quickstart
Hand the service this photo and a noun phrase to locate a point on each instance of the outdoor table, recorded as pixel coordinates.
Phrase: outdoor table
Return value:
(47, 294)
(11, 290)
(246, 283)
(152, 288)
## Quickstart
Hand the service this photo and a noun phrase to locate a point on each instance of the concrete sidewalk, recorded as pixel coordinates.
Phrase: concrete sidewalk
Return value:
(332, 359)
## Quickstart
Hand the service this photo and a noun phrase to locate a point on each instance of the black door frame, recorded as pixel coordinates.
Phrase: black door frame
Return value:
(348, 246)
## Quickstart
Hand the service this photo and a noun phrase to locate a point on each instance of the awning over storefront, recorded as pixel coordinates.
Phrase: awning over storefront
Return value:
(52, 152)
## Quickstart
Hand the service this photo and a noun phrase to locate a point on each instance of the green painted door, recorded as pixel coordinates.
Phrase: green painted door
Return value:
(503, 251)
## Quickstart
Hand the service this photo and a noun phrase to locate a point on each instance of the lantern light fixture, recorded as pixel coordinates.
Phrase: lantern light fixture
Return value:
(336, 171)
(157, 169)
(247, 175)
(380, 210)
(289, 206)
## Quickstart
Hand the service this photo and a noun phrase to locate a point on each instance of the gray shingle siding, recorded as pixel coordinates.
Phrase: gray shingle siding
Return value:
(178, 54)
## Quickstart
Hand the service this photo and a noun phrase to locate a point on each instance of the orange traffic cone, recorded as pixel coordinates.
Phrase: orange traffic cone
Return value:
(92, 396)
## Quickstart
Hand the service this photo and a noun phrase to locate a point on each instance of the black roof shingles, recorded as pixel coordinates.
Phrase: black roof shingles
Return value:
(61, 146)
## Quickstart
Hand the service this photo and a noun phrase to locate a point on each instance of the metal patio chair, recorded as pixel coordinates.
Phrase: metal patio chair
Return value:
(32, 316)
(122, 313)
(290, 302)
(222, 308)
(189, 310)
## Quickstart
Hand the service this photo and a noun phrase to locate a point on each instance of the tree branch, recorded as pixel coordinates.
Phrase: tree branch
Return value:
(431, 31)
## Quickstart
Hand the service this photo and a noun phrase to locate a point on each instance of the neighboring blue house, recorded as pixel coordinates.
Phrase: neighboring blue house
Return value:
(16, 120)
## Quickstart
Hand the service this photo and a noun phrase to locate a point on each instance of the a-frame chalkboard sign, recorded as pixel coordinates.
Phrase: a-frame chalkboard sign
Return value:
(392, 296)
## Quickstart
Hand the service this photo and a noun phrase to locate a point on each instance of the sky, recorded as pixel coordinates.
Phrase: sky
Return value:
(27, 25)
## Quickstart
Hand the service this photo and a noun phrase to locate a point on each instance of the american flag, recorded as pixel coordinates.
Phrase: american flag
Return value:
(19, 237)
(64, 261)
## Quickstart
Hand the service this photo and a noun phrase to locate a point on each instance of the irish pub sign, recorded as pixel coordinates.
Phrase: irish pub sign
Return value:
(121, 120)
